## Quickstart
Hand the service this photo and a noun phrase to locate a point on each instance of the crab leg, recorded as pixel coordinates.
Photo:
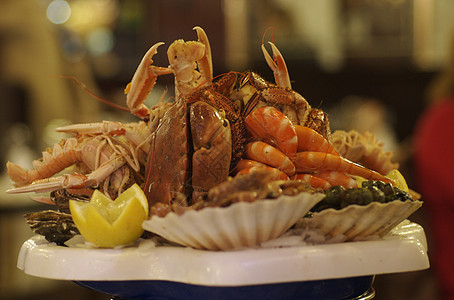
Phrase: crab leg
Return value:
(278, 66)
(143, 81)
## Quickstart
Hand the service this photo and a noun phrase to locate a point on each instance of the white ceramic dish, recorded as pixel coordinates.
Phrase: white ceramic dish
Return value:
(403, 249)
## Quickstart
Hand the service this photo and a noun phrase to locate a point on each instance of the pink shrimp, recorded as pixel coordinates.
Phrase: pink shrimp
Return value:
(337, 178)
(311, 140)
(276, 173)
(270, 125)
(311, 161)
(312, 180)
(267, 154)
(246, 164)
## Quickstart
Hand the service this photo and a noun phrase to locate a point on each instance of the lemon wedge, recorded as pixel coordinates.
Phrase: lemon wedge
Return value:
(398, 179)
(359, 180)
(108, 223)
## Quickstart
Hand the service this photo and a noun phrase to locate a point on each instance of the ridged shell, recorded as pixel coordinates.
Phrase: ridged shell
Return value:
(356, 222)
(240, 225)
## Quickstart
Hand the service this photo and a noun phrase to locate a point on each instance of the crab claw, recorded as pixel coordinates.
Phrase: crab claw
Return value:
(111, 127)
(42, 199)
(143, 81)
(278, 66)
(51, 184)
(205, 64)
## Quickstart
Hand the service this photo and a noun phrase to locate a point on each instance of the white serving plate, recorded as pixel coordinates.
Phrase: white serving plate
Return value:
(404, 249)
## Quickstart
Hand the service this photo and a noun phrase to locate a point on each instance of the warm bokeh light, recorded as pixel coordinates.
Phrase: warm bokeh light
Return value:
(87, 15)
(58, 11)
(100, 40)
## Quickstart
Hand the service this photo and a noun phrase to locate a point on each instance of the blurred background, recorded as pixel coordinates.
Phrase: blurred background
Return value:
(368, 63)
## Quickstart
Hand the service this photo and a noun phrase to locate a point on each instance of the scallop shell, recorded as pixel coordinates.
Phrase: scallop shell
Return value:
(356, 222)
(243, 224)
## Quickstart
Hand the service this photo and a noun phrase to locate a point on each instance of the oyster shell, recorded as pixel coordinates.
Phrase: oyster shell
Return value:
(57, 227)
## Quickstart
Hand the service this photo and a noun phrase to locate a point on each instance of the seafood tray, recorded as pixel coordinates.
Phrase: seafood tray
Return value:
(339, 270)
(233, 163)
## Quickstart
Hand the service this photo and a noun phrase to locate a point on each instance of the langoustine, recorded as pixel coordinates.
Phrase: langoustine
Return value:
(100, 150)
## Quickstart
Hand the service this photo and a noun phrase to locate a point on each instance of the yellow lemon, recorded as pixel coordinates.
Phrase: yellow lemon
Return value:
(109, 223)
(359, 180)
(398, 179)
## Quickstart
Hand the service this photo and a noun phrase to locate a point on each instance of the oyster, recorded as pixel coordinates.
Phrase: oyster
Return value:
(57, 227)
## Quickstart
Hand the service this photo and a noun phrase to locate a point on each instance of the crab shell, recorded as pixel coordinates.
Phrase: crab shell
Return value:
(212, 144)
(192, 138)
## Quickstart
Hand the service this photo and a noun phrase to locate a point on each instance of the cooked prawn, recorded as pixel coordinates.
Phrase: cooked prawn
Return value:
(270, 125)
(337, 178)
(269, 155)
(312, 180)
(246, 164)
(311, 161)
(311, 140)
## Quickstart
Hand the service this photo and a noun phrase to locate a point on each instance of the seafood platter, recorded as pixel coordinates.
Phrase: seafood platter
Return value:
(234, 188)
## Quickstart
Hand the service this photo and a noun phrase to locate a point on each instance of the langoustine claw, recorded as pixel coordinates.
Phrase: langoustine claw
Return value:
(205, 64)
(278, 66)
(143, 82)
